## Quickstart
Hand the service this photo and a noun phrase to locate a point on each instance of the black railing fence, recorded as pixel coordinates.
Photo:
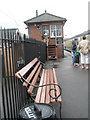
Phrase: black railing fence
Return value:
(15, 52)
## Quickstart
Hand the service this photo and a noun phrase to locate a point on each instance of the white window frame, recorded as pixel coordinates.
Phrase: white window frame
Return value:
(54, 30)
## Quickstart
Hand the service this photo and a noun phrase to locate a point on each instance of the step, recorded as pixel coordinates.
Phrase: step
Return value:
(51, 54)
(52, 51)
(51, 47)
(52, 44)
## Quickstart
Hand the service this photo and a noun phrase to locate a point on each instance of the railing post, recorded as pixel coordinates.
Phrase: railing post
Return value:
(56, 40)
(47, 42)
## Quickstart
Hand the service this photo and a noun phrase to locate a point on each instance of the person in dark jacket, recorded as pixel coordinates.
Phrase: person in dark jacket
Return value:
(74, 47)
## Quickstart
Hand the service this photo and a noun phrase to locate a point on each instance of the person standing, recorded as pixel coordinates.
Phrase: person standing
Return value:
(74, 47)
(77, 55)
(83, 46)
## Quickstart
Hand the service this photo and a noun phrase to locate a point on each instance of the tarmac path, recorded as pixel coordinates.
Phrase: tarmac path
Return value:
(74, 84)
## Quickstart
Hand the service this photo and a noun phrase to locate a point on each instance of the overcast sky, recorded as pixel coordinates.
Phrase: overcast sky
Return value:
(13, 13)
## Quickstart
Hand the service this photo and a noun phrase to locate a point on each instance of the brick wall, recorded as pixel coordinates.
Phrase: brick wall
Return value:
(59, 51)
(35, 32)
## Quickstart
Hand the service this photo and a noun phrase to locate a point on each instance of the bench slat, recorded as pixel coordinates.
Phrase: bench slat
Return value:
(48, 88)
(30, 89)
(31, 74)
(52, 86)
(25, 69)
(38, 95)
(43, 88)
(57, 89)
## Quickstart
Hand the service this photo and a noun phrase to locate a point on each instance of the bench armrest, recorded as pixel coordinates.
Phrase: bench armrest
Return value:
(54, 89)
(36, 86)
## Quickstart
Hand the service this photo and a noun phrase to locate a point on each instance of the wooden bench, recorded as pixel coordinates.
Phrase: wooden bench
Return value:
(34, 75)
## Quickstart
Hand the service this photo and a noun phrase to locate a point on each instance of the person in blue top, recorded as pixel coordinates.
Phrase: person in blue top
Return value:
(74, 47)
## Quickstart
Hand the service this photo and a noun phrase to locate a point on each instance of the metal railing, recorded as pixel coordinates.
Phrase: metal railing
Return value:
(15, 53)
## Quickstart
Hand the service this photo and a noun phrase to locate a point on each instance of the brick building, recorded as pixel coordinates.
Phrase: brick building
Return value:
(49, 27)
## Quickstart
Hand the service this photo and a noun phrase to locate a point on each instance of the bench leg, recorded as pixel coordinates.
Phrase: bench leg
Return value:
(60, 109)
(57, 106)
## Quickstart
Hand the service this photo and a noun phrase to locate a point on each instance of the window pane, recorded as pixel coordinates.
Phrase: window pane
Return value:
(46, 30)
(56, 30)
(52, 30)
(59, 40)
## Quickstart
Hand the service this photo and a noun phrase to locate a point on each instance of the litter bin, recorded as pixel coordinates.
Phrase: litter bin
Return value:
(37, 111)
